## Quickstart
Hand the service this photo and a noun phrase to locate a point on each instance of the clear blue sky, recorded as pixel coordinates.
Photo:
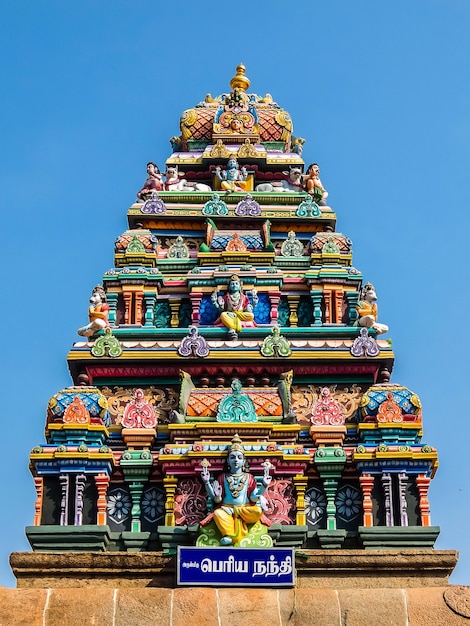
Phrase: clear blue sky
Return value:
(91, 91)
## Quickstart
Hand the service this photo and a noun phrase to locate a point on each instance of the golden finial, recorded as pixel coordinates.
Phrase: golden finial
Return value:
(240, 81)
(236, 444)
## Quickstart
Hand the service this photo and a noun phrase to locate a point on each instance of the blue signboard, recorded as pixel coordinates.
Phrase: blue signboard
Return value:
(273, 567)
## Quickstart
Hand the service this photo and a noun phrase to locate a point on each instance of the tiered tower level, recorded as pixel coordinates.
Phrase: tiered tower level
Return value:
(232, 319)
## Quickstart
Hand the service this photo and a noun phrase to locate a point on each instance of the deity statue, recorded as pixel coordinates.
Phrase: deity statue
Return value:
(237, 497)
(313, 184)
(97, 313)
(153, 182)
(367, 310)
(233, 178)
(235, 306)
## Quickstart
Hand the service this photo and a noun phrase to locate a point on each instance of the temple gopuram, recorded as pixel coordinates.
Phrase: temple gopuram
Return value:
(231, 388)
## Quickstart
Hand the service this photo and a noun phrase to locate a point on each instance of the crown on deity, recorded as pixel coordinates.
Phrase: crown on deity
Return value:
(237, 445)
(368, 287)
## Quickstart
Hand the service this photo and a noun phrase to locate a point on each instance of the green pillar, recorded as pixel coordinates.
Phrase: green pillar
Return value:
(330, 462)
(136, 465)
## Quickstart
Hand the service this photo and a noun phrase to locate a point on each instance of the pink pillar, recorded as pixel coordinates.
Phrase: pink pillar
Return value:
(102, 482)
(196, 299)
(367, 484)
(274, 297)
(422, 482)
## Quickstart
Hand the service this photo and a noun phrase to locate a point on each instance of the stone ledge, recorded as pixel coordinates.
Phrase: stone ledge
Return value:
(337, 569)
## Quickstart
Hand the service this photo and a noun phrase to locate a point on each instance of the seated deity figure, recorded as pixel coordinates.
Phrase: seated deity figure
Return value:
(313, 184)
(152, 183)
(97, 313)
(233, 178)
(236, 495)
(367, 310)
(235, 307)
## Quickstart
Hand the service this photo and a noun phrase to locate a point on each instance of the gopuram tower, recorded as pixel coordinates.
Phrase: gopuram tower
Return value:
(233, 330)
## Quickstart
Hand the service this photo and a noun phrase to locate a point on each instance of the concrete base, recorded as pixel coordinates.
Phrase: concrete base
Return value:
(333, 588)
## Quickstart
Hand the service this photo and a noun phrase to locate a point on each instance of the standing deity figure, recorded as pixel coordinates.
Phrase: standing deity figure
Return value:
(233, 178)
(367, 310)
(97, 313)
(237, 498)
(153, 182)
(235, 306)
(313, 184)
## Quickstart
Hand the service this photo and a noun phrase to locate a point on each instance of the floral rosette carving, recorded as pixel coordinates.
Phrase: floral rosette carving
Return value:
(139, 414)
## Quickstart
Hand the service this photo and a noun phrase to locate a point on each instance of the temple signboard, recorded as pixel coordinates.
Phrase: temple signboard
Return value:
(244, 567)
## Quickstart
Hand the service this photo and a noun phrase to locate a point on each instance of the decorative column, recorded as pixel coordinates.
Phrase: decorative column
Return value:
(112, 300)
(175, 304)
(338, 300)
(170, 483)
(422, 482)
(300, 484)
(39, 486)
(196, 299)
(102, 483)
(64, 500)
(351, 299)
(367, 484)
(387, 486)
(80, 480)
(138, 307)
(402, 482)
(328, 432)
(128, 306)
(327, 297)
(330, 462)
(316, 296)
(136, 465)
(139, 431)
(274, 297)
(149, 305)
(293, 302)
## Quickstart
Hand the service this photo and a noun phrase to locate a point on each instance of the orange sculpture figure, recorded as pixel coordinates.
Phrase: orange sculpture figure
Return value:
(97, 313)
(152, 183)
(367, 310)
(313, 184)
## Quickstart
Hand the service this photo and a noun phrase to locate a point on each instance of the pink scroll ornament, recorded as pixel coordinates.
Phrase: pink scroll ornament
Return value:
(327, 410)
(139, 414)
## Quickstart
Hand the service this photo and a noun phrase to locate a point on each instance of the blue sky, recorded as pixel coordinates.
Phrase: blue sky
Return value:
(91, 91)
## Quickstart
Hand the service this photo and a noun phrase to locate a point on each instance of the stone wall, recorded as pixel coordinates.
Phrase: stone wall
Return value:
(105, 606)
